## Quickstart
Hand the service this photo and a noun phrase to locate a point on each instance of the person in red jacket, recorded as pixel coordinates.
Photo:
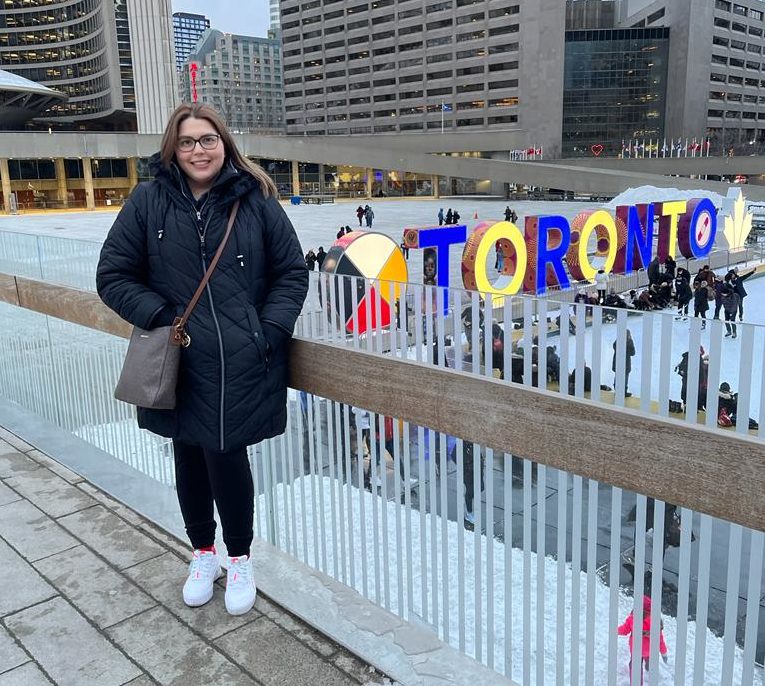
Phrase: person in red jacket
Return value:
(626, 629)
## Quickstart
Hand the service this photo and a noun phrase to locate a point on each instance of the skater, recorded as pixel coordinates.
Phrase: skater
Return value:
(340, 233)
(456, 217)
(730, 302)
(441, 217)
(627, 629)
(404, 249)
(499, 261)
(449, 216)
(738, 286)
(601, 285)
(360, 213)
(701, 303)
(669, 267)
(629, 352)
(320, 255)
(369, 215)
(508, 214)
(253, 300)
(310, 260)
(684, 296)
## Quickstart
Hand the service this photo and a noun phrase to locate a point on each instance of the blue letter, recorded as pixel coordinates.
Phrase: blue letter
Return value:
(441, 238)
(553, 256)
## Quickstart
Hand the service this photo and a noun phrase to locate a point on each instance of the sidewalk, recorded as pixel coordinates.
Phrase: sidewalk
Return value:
(90, 593)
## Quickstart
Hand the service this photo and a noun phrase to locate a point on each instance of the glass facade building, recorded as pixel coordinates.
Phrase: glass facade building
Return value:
(187, 30)
(615, 87)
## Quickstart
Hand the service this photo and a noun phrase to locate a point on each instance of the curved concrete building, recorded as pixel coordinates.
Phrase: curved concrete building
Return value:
(103, 54)
(22, 99)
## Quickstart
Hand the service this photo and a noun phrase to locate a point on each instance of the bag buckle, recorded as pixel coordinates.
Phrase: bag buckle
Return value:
(181, 337)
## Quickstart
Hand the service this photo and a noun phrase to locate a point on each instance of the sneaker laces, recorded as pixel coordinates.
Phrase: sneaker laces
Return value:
(202, 564)
(239, 571)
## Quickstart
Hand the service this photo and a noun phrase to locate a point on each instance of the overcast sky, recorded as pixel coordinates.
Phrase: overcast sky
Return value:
(247, 18)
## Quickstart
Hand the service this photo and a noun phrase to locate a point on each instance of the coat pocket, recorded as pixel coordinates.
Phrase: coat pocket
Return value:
(257, 333)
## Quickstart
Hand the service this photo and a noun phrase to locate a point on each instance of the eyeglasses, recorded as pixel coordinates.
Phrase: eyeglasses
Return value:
(208, 142)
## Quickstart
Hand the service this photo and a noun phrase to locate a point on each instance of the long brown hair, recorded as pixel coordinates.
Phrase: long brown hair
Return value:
(200, 110)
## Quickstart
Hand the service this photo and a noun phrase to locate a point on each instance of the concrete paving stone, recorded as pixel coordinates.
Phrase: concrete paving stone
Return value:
(7, 495)
(26, 675)
(14, 441)
(55, 466)
(163, 577)
(101, 594)
(10, 654)
(142, 681)
(50, 492)
(312, 638)
(21, 586)
(172, 654)
(12, 462)
(112, 504)
(275, 658)
(69, 649)
(111, 536)
(31, 532)
(357, 669)
(179, 547)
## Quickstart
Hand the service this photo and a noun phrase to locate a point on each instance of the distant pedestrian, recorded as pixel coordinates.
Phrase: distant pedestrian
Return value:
(310, 260)
(369, 216)
(360, 214)
(701, 303)
(629, 353)
(405, 249)
(340, 233)
(601, 285)
(449, 216)
(737, 281)
(456, 217)
(644, 649)
(508, 214)
(731, 303)
(441, 217)
(320, 255)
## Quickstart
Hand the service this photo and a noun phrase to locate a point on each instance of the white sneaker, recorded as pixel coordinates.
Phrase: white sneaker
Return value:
(470, 517)
(240, 585)
(203, 571)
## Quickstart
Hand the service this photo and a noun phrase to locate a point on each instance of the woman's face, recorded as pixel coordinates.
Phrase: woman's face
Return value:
(201, 166)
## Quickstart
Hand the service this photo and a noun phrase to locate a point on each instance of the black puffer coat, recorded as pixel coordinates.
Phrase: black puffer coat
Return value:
(232, 384)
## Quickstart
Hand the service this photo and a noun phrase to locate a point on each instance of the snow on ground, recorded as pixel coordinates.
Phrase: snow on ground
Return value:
(318, 518)
(646, 194)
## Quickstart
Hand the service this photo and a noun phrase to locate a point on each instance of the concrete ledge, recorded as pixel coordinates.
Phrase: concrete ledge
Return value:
(412, 655)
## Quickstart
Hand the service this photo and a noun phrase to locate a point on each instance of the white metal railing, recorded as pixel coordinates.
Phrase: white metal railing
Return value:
(531, 350)
(404, 542)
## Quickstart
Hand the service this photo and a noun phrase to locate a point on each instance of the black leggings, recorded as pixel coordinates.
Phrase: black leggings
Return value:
(202, 477)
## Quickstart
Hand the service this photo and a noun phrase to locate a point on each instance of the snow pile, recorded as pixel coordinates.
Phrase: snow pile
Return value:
(319, 496)
(647, 194)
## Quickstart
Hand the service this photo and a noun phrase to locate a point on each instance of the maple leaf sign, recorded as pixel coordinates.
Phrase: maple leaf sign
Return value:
(738, 224)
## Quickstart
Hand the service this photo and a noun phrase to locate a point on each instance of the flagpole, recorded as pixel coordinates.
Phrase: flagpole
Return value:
(442, 116)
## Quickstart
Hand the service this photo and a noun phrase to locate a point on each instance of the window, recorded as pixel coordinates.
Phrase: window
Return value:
(382, 35)
(470, 122)
(410, 46)
(735, 26)
(722, 23)
(503, 102)
(509, 83)
(413, 62)
(385, 98)
(722, 5)
(408, 30)
(503, 66)
(716, 40)
(471, 105)
(410, 79)
(754, 48)
(434, 42)
(443, 57)
(504, 119)
(434, 75)
(359, 101)
(504, 11)
(738, 45)
(736, 62)
(475, 52)
(441, 24)
(740, 10)
(756, 14)
(472, 35)
(405, 14)
(469, 88)
(651, 18)
(385, 82)
(502, 30)
(409, 95)
(466, 71)
(439, 7)
(469, 18)
(440, 91)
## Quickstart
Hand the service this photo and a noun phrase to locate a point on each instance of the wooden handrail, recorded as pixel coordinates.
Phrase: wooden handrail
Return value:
(710, 471)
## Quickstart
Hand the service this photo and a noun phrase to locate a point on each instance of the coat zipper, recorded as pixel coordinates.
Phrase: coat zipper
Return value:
(202, 231)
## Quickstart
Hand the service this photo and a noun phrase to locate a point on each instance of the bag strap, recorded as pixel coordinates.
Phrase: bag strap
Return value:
(180, 323)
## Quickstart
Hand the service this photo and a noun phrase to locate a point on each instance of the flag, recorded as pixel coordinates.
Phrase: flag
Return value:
(664, 148)
(709, 145)
(685, 148)
(446, 107)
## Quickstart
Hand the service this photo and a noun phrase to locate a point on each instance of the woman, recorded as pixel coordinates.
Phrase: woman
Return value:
(232, 384)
